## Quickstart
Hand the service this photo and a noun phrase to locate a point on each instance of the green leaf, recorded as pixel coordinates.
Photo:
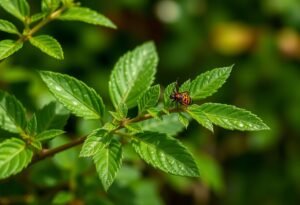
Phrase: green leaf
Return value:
(121, 113)
(80, 99)
(50, 5)
(51, 116)
(196, 113)
(86, 15)
(108, 162)
(109, 126)
(48, 45)
(8, 47)
(32, 126)
(209, 82)
(231, 117)
(186, 86)
(149, 98)
(48, 134)
(165, 153)
(155, 112)
(133, 74)
(37, 145)
(133, 128)
(169, 124)
(12, 114)
(17, 8)
(97, 140)
(8, 27)
(14, 157)
(183, 119)
(36, 17)
(63, 197)
(211, 172)
(168, 91)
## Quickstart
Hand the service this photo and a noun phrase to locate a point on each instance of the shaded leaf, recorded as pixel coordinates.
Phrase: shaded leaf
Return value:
(108, 161)
(48, 134)
(17, 8)
(14, 157)
(169, 124)
(209, 82)
(8, 47)
(8, 27)
(48, 45)
(86, 15)
(80, 99)
(132, 75)
(51, 116)
(165, 153)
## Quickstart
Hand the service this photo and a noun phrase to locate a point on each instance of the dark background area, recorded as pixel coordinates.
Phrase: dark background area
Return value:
(262, 39)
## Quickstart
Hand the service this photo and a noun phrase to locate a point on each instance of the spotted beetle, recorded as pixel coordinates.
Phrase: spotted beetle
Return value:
(181, 97)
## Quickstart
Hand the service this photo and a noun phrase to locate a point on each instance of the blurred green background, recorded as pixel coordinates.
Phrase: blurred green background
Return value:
(262, 39)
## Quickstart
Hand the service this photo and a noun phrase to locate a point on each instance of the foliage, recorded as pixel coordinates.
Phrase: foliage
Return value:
(141, 116)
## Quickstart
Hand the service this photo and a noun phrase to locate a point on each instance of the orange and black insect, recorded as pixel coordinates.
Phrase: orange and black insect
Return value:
(181, 97)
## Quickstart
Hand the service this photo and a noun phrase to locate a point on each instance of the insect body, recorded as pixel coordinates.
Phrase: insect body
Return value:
(181, 97)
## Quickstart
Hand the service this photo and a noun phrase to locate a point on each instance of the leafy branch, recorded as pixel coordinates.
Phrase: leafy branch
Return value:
(149, 133)
(65, 10)
(45, 153)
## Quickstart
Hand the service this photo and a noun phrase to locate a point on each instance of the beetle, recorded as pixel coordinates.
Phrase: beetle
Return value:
(183, 98)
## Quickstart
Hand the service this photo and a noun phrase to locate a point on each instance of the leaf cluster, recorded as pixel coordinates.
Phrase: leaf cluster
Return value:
(64, 10)
(150, 133)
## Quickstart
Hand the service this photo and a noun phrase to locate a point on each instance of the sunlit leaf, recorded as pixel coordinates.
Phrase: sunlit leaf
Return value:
(183, 119)
(149, 98)
(108, 161)
(196, 113)
(50, 5)
(17, 8)
(231, 117)
(14, 157)
(48, 45)
(167, 92)
(209, 82)
(80, 99)
(8, 27)
(165, 153)
(186, 86)
(94, 142)
(132, 75)
(86, 15)
(8, 47)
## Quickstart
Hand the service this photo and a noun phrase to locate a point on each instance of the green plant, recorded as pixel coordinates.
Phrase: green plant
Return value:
(130, 86)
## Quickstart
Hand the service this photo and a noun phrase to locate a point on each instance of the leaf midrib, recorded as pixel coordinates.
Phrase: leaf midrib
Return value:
(13, 155)
(93, 111)
(151, 145)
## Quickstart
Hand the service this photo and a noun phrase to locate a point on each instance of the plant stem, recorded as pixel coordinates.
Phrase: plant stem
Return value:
(42, 23)
(51, 152)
